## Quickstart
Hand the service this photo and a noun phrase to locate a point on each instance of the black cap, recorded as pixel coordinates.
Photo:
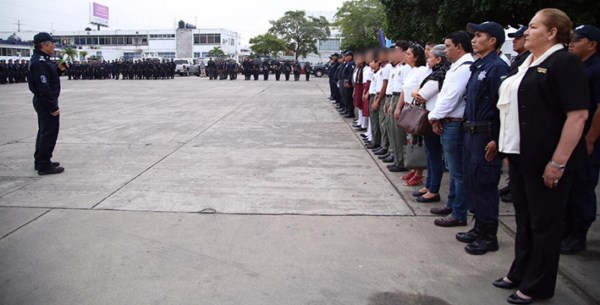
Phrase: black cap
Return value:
(349, 53)
(519, 33)
(42, 37)
(334, 55)
(588, 31)
(490, 27)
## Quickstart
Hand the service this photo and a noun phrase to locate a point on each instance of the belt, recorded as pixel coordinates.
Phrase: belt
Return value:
(477, 127)
(448, 120)
(388, 95)
(396, 93)
(371, 94)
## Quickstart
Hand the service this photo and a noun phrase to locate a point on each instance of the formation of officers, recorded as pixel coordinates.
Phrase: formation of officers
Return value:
(536, 114)
(254, 68)
(133, 69)
(12, 72)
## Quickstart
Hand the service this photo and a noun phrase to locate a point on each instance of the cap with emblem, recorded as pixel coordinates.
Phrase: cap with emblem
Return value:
(518, 33)
(348, 53)
(42, 37)
(335, 55)
(490, 27)
(588, 31)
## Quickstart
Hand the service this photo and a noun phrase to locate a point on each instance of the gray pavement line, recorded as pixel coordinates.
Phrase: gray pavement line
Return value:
(215, 213)
(23, 225)
(356, 135)
(566, 277)
(35, 179)
(174, 151)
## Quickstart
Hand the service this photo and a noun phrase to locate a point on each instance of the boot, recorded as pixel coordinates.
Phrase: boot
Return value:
(486, 241)
(471, 235)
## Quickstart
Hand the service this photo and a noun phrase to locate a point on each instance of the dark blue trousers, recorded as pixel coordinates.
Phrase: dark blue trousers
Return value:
(481, 178)
(582, 206)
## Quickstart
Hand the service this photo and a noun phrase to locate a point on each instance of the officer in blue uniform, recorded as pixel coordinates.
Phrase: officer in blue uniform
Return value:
(481, 164)
(582, 204)
(44, 83)
(331, 73)
(348, 87)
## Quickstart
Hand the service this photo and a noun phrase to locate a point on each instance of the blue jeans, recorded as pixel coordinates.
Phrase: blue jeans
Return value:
(452, 141)
(435, 165)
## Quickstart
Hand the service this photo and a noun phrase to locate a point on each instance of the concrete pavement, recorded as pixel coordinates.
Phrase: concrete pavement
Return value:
(303, 214)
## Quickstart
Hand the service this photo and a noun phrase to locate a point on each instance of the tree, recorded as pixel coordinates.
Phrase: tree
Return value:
(216, 51)
(431, 20)
(267, 44)
(71, 53)
(359, 21)
(83, 54)
(299, 32)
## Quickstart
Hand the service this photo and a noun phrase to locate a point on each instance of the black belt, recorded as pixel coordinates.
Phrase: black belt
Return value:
(477, 127)
(396, 93)
(388, 95)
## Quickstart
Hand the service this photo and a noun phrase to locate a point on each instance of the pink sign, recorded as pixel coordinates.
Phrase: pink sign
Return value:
(100, 11)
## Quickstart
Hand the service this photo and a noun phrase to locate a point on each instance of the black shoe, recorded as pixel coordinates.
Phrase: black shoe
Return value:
(571, 245)
(360, 129)
(373, 147)
(51, 171)
(515, 299)
(435, 198)
(364, 135)
(389, 159)
(418, 194)
(470, 236)
(387, 155)
(501, 283)
(381, 152)
(398, 169)
(507, 198)
(54, 164)
(349, 116)
(504, 191)
(487, 240)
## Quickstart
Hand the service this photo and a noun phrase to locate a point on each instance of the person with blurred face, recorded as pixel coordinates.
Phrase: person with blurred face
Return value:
(543, 108)
(582, 206)
(519, 47)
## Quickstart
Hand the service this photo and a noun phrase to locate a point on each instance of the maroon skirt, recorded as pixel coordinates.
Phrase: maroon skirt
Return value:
(365, 104)
(358, 90)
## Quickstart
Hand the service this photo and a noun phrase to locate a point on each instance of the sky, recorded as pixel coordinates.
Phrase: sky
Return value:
(247, 17)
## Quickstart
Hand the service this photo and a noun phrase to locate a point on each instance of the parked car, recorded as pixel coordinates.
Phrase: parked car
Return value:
(320, 70)
(186, 67)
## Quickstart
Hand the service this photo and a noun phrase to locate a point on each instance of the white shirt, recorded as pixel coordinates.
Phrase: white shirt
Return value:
(384, 74)
(354, 73)
(367, 74)
(429, 92)
(508, 104)
(451, 99)
(374, 80)
(395, 81)
(412, 81)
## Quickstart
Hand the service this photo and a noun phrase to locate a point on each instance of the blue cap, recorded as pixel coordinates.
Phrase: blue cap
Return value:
(588, 31)
(42, 37)
(519, 33)
(490, 27)
(348, 53)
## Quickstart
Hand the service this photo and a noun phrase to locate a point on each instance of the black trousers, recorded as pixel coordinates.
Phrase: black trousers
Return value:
(47, 135)
(266, 75)
(582, 206)
(540, 214)
(287, 75)
(277, 74)
(348, 100)
(307, 76)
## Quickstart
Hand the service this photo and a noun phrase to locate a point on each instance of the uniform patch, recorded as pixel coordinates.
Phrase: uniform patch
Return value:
(43, 79)
(481, 75)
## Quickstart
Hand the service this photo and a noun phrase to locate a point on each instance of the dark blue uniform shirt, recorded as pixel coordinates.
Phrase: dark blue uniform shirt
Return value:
(592, 69)
(482, 91)
(44, 81)
(348, 72)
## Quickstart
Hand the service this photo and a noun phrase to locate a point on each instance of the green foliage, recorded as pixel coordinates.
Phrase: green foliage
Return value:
(71, 53)
(216, 51)
(83, 54)
(267, 44)
(299, 32)
(359, 21)
(431, 20)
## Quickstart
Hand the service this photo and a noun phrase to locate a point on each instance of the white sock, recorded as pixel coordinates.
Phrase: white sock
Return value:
(369, 131)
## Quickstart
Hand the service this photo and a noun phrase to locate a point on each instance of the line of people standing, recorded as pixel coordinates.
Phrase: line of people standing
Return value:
(537, 115)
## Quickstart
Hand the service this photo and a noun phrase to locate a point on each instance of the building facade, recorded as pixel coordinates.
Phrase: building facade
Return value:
(135, 44)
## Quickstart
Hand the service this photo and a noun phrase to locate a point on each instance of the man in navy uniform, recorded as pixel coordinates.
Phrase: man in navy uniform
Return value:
(266, 69)
(348, 88)
(481, 164)
(519, 47)
(44, 83)
(582, 205)
(331, 73)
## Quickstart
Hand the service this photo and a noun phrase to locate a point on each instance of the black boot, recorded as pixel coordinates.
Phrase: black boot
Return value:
(471, 235)
(486, 241)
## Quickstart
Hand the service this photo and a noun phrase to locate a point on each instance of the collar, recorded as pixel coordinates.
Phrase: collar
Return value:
(46, 56)
(528, 61)
(460, 61)
(480, 62)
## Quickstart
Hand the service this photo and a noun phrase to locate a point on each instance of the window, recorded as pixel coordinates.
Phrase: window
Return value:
(207, 38)
(166, 54)
(162, 36)
(329, 45)
(15, 52)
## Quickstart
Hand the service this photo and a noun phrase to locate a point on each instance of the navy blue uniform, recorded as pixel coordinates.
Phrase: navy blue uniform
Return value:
(582, 206)
(332, 83)
(44, 83)
(347, 87)
(482, 122)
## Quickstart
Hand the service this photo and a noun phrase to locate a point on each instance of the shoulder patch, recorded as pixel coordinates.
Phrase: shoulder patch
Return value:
(43, 79)
(42, 59)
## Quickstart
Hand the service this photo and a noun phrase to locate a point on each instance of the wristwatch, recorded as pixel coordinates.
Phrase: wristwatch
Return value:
(559, 166)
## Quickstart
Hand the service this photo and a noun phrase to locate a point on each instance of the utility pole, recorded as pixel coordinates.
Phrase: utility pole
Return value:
(18, 25)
